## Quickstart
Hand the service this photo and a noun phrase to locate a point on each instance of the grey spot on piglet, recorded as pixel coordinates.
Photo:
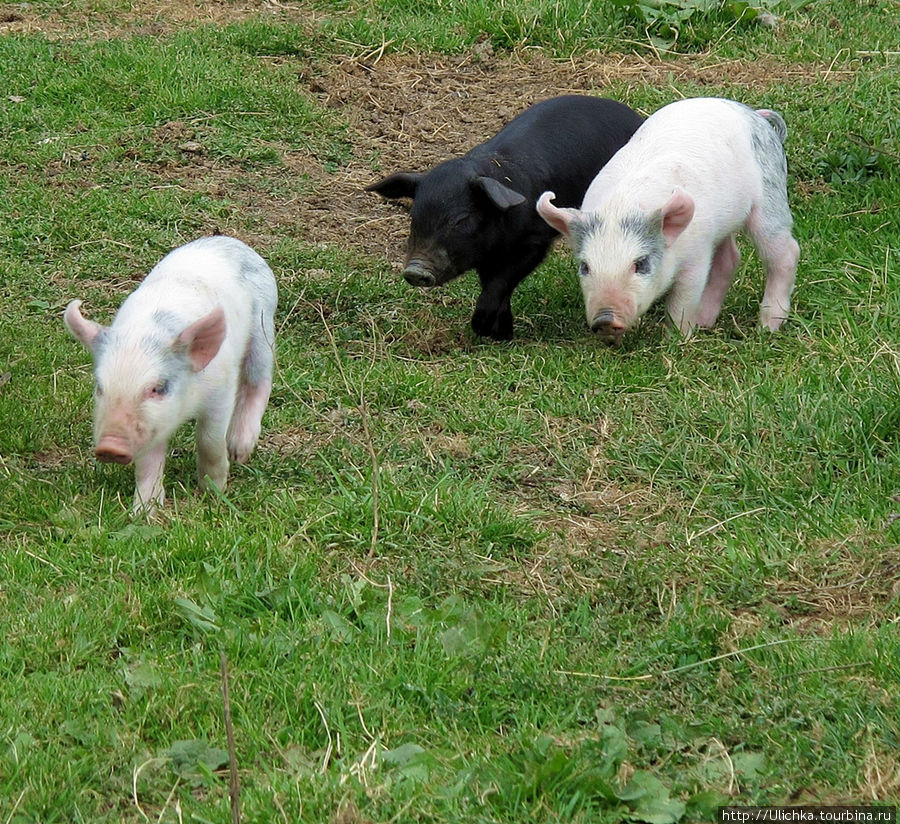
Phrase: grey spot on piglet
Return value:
(769, 154)
(647, 230)
(168, 323)
(585, 227)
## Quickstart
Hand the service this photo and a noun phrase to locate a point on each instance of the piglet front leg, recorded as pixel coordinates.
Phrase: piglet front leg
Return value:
(148, 473)
(212, 450)
(493, 316)
(686, 295)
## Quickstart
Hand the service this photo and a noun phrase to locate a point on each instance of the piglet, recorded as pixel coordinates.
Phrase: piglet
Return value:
(660, 218)
(477, 211)
(195, 340)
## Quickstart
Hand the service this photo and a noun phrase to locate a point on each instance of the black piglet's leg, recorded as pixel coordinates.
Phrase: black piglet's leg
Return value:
(492, 317)
(493, 313)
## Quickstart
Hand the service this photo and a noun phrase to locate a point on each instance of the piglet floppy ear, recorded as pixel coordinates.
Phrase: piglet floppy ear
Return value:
(81, 328)
(676, 215)
(402, 184)
(202, 339)
(559, 219)
(501, 196)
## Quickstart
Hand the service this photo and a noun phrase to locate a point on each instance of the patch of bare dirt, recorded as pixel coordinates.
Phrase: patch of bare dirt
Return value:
(412, 111)
(882, 776)
(838, 585)
(583, 519)
(157, 18)
(349, 814)
(577, 537)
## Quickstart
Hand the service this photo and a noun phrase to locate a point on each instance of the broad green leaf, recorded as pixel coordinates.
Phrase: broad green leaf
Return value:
(615, 745)
(142, 675)
(705, 804)
(749, 764)
(203, 618)
(651, 801)
(192, 758)
(340, 629)
(409, 760)
(401, 755)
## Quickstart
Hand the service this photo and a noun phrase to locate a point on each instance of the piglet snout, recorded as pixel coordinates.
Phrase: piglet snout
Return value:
(417, 273)
(113, 449)
(608, 327)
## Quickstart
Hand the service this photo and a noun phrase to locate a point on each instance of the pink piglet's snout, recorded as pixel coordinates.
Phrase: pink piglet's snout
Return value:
(608, 326)
(113, 449)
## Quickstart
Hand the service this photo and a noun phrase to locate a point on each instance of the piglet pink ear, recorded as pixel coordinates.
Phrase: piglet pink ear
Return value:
(559, 219)
(203, 338)
(81, 328)
(676, 215)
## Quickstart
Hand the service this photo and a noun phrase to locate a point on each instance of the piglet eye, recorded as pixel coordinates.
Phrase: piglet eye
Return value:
(583, 270)
(98, 390)
(161, 389)
(642, 265)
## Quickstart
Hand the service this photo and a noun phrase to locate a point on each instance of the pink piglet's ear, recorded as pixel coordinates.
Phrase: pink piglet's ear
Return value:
(203, 338)
(676, 215)
(80, 327)
(559, 219)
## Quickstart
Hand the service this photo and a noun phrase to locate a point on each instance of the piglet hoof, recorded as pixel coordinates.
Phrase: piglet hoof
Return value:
(209, 484)
(482, 323)
(147, 510)
(504, 328)
(212, 470)
(242, 441)
(497, 327)
(772, 318)
(240, 453)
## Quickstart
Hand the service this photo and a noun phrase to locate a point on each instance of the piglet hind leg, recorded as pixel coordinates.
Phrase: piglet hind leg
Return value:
(725, 262)
(780, 257)
(246, 423)
(148, 474)
(779, 252)
(252, 399)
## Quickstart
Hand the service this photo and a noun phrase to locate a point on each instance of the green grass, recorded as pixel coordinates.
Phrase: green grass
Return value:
(459, 581)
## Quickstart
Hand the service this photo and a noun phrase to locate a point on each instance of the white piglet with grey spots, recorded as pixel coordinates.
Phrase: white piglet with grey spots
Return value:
(195, 340)
(661, 217)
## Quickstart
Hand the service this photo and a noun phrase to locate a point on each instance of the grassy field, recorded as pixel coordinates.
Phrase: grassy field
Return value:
(460, 581)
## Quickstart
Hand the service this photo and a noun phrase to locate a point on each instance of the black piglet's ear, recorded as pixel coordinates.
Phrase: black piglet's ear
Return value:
(402, 184)
(501, 196)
